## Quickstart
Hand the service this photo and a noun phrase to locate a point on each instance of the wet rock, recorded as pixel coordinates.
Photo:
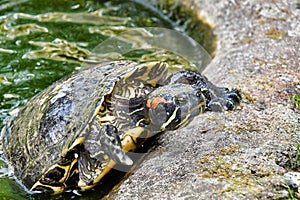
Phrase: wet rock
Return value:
(239, 154)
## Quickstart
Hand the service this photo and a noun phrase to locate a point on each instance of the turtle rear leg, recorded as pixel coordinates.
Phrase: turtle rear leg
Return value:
(57, 178)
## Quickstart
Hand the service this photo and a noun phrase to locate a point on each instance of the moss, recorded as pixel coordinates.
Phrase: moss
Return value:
(247, 40)
(264, 83)
(233, 172)
(248, 97)
(259, 61)
(275, 33)
(230, 150)
(216, 166)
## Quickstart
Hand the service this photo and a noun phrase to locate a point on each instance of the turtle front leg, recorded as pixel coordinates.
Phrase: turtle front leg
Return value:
(93, 165)
(101, 150)
(103, 141)
(226, 100)
(134, 138)
(217, 98)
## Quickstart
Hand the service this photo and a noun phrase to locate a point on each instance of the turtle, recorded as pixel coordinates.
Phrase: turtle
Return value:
(74, 132)
(43, 141)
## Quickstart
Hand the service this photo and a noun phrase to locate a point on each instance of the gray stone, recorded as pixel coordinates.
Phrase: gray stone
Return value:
(239, 154)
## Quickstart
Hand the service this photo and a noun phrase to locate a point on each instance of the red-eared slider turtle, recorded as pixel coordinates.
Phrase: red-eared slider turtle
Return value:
(73, 133)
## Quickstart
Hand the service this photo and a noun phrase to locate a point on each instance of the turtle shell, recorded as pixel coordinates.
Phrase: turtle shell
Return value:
(46, 128)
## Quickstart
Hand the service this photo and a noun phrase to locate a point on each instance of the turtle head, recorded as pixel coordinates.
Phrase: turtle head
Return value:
(174, 106)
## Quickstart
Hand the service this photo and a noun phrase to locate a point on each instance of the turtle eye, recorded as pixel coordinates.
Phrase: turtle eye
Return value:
(164, 113)
(173, 106)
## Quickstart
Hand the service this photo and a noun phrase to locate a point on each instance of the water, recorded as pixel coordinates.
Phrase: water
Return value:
(43, 41)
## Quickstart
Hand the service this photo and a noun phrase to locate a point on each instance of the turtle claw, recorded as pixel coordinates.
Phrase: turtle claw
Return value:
(229, 101)
(113, 147)
(233, 99)
(217, 105)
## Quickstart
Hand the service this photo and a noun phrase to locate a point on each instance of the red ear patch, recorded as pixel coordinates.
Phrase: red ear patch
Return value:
(152, 103)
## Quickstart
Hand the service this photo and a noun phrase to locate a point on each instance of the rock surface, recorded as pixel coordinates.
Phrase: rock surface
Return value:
(248, 153)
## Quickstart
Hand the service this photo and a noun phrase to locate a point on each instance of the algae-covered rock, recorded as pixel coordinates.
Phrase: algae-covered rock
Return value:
(250, 153)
